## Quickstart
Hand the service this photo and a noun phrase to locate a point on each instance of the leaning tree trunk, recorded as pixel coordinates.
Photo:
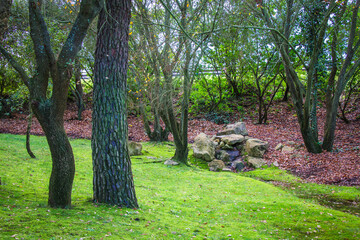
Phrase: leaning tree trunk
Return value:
(63, 164)
(113, 179)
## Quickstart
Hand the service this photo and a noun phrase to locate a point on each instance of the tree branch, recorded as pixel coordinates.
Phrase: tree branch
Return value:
(16, 66)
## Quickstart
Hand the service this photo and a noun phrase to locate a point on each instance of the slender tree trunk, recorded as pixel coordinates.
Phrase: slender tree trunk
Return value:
(286, 94)
(113, 179)
(79, 89)
(28, 129)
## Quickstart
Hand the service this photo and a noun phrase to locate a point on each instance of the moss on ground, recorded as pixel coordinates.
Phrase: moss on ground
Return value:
(176, 202)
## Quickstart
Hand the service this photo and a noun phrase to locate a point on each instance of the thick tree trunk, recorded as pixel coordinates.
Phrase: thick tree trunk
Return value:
(63, 164)
(63, 167)
(113, 179)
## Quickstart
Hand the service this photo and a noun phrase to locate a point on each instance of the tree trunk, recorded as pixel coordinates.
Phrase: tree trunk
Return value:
(113, 179)
(286, 93)
(28, 129)
(63, 164)
(63, 167)
(5, 7)
(78, 88)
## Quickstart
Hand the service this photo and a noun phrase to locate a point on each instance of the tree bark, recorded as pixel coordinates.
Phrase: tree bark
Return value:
(50, 111)
(28, 129)
(5, 6)
(113, 179)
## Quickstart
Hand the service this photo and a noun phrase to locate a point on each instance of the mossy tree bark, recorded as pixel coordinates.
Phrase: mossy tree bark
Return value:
(113, 180)
(50, 111)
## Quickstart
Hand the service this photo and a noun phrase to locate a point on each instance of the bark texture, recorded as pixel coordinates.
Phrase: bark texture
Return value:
(5, 6)
(113, 179)
(50, 111)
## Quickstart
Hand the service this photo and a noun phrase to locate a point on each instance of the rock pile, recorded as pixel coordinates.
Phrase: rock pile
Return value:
(230, 149)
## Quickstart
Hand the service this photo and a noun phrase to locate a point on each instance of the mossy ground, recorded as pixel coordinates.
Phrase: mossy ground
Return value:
(177, 202)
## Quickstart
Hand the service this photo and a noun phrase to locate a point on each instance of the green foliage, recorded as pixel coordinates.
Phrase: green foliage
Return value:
(175, 202)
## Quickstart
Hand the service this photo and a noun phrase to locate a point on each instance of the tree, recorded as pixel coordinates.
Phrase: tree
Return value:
(319, 19)
(50, 110)
(113, 180)
(147, 51)
(5, 6)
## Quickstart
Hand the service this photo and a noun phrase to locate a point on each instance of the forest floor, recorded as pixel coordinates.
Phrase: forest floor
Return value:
(340, 167)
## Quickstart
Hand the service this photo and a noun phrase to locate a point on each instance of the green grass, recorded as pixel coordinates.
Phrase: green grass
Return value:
(175, 202)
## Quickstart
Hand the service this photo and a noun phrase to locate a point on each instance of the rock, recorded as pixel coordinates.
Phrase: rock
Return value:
(233, 139)
(234, 154)
(291, 143)
(238, 165)
(226, 169)
(227, 147)
(256, 147)
(135, 148)
(255, 161)
(226, 132)
(222, 155)
(248, 138)
(287, 149)
(216, 165)
(204, 148)
(239, 128)
(275, 164)
(240, 147)
(279, 146)
(171, 163)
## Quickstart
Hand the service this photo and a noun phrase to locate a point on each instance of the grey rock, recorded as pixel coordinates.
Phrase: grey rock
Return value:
(222, 155)
(226, 169)
(291, 143)
(233, 139)
(227, 147)
(171, 163)
(256, 147)
(275, 164)
(226, 132)
(287, 149)
(216, 165)
(204, 148)
(255, 162)
(135, 148)
(238, 165)
(239, 128)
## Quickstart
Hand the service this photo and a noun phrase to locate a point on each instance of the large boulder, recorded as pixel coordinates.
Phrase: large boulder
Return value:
(204, 148)
(216, 165)
(226, 132)
(255, 162)
(135, 148)
(233, 139)
(256, 147)
(238, 128)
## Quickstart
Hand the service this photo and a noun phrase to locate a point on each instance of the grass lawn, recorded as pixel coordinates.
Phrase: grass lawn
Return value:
(175, 202)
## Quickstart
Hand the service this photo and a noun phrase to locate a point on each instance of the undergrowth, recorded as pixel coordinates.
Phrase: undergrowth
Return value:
(176, 202)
